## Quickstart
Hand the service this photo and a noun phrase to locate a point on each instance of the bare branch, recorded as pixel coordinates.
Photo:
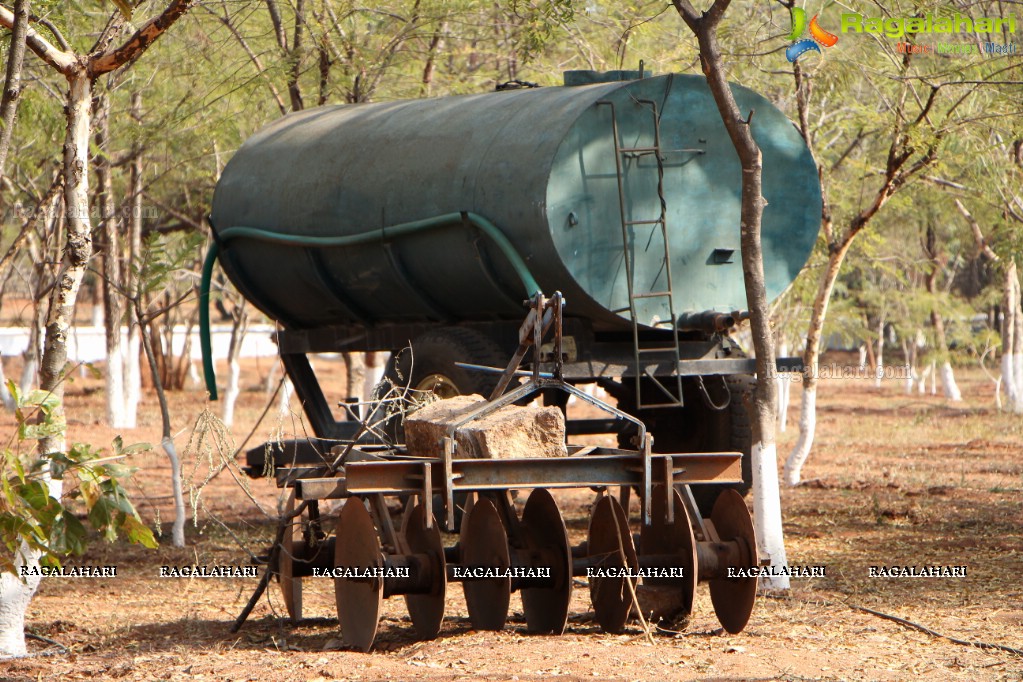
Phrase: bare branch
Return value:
(60, 60)
(62, 42)
(133, 48)
(978, 236)
(253, 57)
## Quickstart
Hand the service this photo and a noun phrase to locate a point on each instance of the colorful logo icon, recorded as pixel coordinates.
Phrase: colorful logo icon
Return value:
(818, 36)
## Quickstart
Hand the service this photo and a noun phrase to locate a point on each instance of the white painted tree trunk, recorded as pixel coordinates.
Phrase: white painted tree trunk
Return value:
(14, 598)
(239, 326)
(1009, 380)
(863, 357)
(16, 592)
(1017, 351)
(355, 372)
(373, 374)
(271, 378)
(767, 512)
(879, 369)
(133, 362)
(107, 312)
(284, 406)
(948, 382)
(234, 371)
(194, 378)
(178, 529)
(132, 378)
(907, 353)
(784, 396)
(807, 428)
(928, 371)
(5, 393)
(1010, 313)
(117, 413)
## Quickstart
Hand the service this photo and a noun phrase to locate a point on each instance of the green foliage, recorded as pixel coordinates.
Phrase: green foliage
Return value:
(167, 259)
(541, 22)
(30, 517)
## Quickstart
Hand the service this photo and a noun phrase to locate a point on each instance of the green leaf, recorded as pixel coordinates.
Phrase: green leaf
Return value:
(137, 532)
(69, 535)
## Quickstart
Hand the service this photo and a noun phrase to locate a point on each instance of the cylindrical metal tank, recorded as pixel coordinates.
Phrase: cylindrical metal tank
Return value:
(542, 166)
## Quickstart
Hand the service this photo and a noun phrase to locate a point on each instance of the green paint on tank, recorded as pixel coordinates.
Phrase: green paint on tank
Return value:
(539, 164)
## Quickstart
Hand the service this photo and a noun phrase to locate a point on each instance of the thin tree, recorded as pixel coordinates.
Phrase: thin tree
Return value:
(81, 72)
(766, 496)
(915, 128)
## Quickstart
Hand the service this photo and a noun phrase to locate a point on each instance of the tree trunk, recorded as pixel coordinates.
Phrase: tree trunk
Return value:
(948, 381)
(879, 370)
(295, 57)
(436, 47)
(240, 322)
(178, 529)
(1010, 311)
(284, 406)
(116, 416)
(30, 358)
(766, 496)
(14, 594)
(12, 79)
(373, 374)
(355, 374)
(909, 352)
(926, 373)
(784, 391)
(5, 393)
(811, 365)
(132, 365)
(1017, 345)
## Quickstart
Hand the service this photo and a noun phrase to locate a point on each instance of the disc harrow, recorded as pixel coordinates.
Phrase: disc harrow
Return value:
(500, 550)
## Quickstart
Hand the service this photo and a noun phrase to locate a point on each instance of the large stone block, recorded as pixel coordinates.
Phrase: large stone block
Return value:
(511, 431)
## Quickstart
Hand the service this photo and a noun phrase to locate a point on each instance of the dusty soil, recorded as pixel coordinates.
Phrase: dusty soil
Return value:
(896, 479)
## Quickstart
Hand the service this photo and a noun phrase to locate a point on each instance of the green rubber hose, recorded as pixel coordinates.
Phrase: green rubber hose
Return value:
(391, 232)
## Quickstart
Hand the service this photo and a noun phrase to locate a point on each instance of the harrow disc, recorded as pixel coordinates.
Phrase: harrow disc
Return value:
(358, 599)
(546, 608)
(733, 598)
(291, 586)
(675, 539)
(426, 610)
(610, 541)
(485, 546)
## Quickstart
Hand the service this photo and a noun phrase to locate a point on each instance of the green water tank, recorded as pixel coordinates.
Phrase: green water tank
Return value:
(542, 166)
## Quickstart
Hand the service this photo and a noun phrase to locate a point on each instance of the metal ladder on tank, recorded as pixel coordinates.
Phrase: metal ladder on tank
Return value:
(667, 398)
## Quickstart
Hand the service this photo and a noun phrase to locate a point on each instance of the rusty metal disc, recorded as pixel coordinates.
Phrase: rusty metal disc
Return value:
(610, 544)
(669, 599)
(426, 610)
(485, 546)
(291, 586)
(546, 537)
(358, 599)
(733, 598)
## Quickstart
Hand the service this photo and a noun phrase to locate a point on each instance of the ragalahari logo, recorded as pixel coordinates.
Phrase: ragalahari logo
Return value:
(818, 36)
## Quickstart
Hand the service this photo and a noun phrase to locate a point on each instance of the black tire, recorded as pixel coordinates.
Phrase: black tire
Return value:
(429, 365)
(435, 353)
(699, 428)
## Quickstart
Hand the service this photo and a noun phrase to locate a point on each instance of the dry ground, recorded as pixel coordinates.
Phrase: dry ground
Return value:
(896, 479)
